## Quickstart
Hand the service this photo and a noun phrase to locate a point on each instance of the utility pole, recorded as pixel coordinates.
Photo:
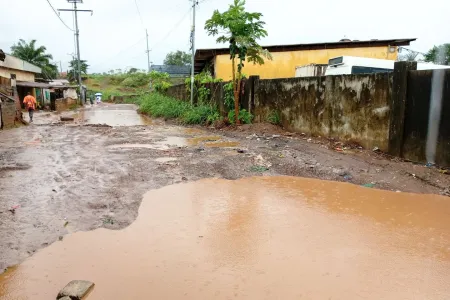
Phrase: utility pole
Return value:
(77, 36)
(148, 51)
(194, 3)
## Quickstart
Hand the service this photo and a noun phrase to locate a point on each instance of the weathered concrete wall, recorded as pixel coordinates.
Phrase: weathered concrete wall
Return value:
(64, 103)
(417, 113)
(8, 113)
(348, 107)
(178, 92)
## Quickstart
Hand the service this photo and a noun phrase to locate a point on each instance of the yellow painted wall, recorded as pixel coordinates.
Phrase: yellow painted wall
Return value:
(20, 75)
(284, 63)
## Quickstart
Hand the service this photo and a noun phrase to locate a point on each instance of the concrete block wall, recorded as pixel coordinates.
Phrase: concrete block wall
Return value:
(347, 107)
(8, 111)
(64, 103)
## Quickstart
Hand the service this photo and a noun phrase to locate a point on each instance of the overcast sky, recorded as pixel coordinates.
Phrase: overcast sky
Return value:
(114, 36)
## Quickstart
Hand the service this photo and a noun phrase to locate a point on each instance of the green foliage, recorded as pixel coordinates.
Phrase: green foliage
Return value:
(36, 56)
(132, 70)
(159, 81)
(158, 105)
(73, 69)
(439, 55)
(202, 114)
(200, 80)
(136, 80)
(274, 117)
(241, 30)
(178, 58)
(228, 96)
(244, 116)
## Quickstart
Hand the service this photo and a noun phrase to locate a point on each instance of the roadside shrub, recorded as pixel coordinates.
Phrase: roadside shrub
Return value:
(244, 116)
(158, 105)
(228, 96)
(136, 80)
(274, 118)
(202, 114)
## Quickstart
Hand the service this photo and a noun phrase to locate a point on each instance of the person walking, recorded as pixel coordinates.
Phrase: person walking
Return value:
(30, 104)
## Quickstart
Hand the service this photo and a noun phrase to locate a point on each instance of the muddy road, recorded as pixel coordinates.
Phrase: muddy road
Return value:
(60, 178)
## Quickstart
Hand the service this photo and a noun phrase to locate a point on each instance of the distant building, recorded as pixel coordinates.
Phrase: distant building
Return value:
(18, 68)
(287, 57)
(173, 71)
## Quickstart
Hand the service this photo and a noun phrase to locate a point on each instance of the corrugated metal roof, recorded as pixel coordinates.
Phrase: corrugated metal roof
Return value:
(172, 70)
(43, 85)
(203, 56)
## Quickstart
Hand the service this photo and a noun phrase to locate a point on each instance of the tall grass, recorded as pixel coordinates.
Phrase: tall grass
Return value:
(160, 106)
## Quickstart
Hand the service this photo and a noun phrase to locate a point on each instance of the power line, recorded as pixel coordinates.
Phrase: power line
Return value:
(121, 51)
(139, 13)
(173, 29)
(56, 13)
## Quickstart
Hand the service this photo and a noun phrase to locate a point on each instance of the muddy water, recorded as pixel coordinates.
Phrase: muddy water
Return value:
(114, 115)
(256, 238)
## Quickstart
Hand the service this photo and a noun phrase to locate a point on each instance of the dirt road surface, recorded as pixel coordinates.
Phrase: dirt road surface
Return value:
(59, 178)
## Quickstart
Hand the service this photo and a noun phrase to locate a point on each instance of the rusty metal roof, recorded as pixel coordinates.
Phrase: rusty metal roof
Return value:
(203, 56)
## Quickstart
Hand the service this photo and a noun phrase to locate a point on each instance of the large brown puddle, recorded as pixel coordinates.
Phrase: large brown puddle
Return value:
(256, 238)
(114, 115)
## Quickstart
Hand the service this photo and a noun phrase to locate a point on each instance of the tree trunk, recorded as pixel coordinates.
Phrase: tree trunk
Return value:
(236, 94)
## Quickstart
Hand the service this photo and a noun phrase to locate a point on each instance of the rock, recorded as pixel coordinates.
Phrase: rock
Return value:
(65, 298)
(66, 119)
(75, 290)
(241, 150)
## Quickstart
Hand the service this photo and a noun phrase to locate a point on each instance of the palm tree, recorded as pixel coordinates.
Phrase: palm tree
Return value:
(73, 72)
(36, 56)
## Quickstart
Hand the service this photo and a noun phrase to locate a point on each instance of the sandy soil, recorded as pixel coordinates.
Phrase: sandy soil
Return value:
(61, 178)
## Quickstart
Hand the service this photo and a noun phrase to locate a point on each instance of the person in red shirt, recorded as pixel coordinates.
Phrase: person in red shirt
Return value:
(30, 104)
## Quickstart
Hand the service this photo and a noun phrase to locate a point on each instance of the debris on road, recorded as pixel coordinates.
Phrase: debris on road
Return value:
(75, 290)
(369, 185)
(259, 169)
(67, 119)
(13, 209)
(241, 150)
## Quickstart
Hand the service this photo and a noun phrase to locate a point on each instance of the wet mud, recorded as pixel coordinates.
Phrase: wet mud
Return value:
(60, 178)
(256, 238)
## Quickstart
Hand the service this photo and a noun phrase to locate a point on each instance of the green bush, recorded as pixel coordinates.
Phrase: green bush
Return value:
(158, 105)
(244, 116)
(228, 96)
(274, 118)
(135, 80)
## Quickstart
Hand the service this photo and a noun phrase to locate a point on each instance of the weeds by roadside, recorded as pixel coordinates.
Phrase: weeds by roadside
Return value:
(160, 106)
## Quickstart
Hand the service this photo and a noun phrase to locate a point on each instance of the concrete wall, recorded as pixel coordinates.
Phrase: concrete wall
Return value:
(417, 119)
(284, 63)
(70, 93)
(20, 75)
(178, 92)
(64, 103)
(349, 107)
(8, 113)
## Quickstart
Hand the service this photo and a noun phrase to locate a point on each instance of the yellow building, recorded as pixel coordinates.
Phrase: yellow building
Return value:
(287, 57)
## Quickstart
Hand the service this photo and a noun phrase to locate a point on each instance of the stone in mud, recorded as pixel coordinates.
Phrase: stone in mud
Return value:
(67, 119)
(75, 290)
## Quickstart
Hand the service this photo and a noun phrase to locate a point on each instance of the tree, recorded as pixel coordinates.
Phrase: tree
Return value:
(178, 58)
(132, 70)
(439, 55)
(410, 56)
(241, 30)
(36, 56)
(73, 71)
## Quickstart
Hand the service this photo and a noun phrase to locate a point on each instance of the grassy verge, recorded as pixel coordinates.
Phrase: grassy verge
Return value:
(160, 106)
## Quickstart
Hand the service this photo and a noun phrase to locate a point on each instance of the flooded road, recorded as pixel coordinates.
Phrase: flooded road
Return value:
(113, 115)
(256, 238)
